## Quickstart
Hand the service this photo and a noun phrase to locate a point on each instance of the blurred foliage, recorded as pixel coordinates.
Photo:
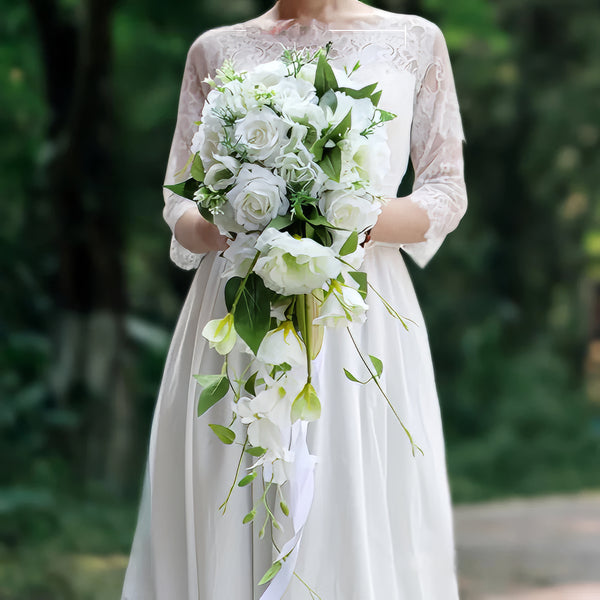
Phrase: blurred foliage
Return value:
(508, 298)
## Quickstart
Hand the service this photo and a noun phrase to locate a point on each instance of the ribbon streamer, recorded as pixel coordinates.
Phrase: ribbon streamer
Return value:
(302, 487)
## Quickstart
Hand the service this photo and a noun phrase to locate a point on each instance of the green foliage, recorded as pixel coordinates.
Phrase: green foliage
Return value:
(248, 300)
(271, 572)
(226, 435)
(350, 245)
(215, 387)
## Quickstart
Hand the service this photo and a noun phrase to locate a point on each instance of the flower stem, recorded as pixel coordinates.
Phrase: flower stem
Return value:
(374, 378)
(307, 336)
(223, 506)
(387, 305)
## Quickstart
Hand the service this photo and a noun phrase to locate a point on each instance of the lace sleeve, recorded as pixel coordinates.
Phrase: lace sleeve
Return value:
(191, 100)
(436, 152)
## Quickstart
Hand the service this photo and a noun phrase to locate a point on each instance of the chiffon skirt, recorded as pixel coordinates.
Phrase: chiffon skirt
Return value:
(380, 526)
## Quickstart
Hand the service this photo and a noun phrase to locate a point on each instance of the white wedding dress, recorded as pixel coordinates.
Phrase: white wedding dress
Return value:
(380, 526)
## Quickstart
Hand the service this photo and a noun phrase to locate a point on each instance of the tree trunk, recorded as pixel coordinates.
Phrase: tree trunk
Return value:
(90, 376)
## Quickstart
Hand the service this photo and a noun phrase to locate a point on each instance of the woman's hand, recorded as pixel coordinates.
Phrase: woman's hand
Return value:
(210, 235)
(197, 234)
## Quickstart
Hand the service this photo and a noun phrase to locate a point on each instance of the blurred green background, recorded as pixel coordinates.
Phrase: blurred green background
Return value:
(89, 297)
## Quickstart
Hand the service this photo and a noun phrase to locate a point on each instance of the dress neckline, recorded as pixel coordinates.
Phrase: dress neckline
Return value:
(289, 28)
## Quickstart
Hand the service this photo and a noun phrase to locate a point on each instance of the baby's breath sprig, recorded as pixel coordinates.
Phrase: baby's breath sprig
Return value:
(225, 114)
(295, 59)
(228, 73)
(234, 145)
(209, 199)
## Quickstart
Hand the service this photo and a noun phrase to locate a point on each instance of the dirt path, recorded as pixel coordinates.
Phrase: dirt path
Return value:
(535, 549)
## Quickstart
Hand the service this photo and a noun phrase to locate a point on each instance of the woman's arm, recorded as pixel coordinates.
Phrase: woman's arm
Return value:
(421, 221)
(192, 236)
(401, 221)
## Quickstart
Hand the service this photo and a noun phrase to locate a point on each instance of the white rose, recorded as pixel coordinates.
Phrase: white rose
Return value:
(294, 266)
(349, 209)
(300, 167)
(365, 159)
(221, 174)
(343, 305)
(257, 196)
(291, 90)
(239, 255)
(308, 72)
(263, 133)
(233, 98)
(268, 74)
(310, 114)
(207, 140)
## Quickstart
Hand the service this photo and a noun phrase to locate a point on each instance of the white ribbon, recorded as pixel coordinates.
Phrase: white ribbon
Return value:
(302, 487)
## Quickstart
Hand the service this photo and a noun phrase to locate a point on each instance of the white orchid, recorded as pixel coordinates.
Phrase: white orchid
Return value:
(221, 334)
(342, 305)
(282, 345)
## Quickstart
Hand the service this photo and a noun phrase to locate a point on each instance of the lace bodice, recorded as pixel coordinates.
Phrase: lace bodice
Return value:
(405, 53)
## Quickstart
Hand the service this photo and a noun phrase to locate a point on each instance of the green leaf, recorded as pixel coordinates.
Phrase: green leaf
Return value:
(386, 116)
(306, 405)
(248, 479)
(252, 315)
(197, 170)
(255, 451)
(331, 163)
(281, 221)
(329, 99)
(323, 236)
(273, 570)
(350, 244)
(351, 377)
(313, 217)
(376, 97)
(249, 517)
(186, 188)
(364, 92)
(338, 132)
(324, 77)
(361, 278)
(377, 363)
(250, 385)
(317, 148)
(223, 433)
(215, 387)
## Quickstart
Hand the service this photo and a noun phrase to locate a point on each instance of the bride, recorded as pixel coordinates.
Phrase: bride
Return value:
(380, 526)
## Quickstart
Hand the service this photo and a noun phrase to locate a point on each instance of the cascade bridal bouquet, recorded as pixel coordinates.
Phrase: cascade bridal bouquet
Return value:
(288, 161)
